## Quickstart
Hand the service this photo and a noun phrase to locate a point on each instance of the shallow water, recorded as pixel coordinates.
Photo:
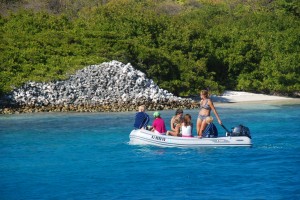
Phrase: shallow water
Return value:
(87, 156)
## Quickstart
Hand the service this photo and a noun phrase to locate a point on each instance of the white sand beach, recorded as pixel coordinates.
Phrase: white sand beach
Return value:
(239, 97)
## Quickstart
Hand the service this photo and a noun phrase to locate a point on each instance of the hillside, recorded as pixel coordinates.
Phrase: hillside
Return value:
(184, 46)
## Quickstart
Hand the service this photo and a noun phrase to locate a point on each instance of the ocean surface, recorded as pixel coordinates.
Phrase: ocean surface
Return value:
(87, 156)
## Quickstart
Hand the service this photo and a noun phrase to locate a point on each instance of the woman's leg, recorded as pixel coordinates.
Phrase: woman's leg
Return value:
(199, 122)
(203, 126)
(172, 133)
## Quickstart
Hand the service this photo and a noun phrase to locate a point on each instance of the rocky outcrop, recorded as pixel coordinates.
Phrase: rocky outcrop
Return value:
(110, 86)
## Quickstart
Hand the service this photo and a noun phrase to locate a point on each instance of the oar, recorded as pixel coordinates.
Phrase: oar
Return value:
(226, 129)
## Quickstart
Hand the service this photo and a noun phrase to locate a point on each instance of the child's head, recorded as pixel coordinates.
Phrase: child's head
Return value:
(187, 119)
(142, 108)
(209, 119)
(156, 114)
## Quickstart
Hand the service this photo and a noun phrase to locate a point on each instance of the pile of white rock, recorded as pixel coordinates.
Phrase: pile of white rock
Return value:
(110, 86)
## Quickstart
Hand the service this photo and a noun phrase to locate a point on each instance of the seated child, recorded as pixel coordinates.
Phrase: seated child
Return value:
(158, 125)
(187, 126)
(210, 130)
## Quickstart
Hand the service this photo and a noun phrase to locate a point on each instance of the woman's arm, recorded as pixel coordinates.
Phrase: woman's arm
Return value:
(177, 129)
(175, 132)
(172, 122)
(211, 104)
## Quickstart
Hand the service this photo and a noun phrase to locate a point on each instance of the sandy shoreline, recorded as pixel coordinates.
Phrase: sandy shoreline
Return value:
(246, 97)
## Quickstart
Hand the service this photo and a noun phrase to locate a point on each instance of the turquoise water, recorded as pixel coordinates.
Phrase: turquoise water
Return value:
(87, 156)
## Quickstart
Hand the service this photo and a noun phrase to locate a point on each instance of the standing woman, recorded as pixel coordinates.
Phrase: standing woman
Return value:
(206, 105)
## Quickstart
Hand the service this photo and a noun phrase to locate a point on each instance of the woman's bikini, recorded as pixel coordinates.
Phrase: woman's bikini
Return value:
(206, 107)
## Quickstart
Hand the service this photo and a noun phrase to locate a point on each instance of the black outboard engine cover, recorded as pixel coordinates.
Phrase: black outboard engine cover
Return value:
(240, 130)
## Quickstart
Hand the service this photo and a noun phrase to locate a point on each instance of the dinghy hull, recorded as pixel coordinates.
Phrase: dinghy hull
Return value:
(145, 137)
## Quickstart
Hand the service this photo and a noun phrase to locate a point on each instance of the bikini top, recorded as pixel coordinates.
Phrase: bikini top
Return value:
(205, 106)
(176, 122)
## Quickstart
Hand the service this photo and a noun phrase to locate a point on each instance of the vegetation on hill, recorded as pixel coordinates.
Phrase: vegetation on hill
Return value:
(183, 45)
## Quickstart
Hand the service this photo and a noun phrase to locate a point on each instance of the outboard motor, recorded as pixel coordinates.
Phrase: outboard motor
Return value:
(240, 130)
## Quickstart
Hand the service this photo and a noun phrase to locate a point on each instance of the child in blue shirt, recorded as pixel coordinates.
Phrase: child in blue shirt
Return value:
(210, 130)
(141, 118)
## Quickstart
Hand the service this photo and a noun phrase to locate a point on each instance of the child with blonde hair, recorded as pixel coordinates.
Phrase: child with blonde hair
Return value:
(211, 129)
